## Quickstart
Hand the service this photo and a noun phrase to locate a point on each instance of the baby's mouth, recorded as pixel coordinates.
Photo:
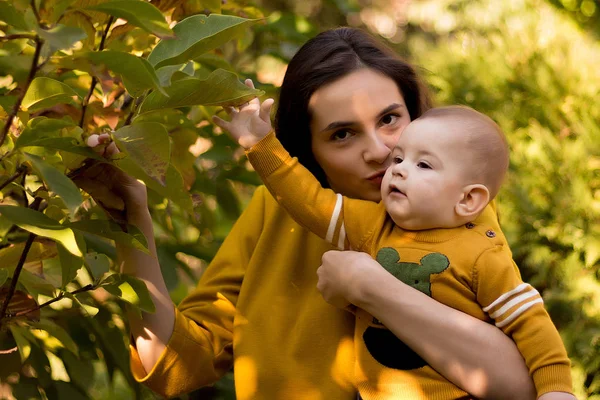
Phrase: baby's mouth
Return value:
(395, 190)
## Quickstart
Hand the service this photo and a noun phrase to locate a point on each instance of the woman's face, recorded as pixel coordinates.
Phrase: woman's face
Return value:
(356, 122)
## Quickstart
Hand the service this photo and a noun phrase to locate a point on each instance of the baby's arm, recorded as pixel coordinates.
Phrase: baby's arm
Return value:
(339, 220)
(518, 309)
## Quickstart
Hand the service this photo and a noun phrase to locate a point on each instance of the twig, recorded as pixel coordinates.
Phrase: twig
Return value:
(15, 277)
(25, 199)
(37, 14)
(133, 110)
(94, 79)
(16, 175)
(18, 36)
(86, 288)
(17, 106)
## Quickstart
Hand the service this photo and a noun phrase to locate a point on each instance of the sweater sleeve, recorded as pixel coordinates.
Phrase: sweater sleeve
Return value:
(518, 309)
(199, 351)
(339, 220)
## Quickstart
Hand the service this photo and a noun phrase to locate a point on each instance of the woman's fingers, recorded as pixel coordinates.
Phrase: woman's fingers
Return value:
(102, 144)
(254, 101)
(265, 110)
(111, 149)
(221, 123)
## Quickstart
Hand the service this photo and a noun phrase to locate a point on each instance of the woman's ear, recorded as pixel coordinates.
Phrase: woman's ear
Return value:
(475, 198)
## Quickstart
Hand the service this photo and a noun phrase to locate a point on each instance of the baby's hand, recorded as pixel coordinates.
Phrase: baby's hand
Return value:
(250, 122)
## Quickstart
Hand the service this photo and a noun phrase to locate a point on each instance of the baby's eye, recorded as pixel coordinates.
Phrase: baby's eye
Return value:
(389, 119)
(423, 165)
(398, 160)
(341, 135)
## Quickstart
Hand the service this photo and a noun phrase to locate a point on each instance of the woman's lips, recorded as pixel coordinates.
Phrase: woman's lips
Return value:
(376, 178)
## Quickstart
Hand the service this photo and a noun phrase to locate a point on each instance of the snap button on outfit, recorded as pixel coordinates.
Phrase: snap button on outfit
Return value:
(490, 234)
(470, 225)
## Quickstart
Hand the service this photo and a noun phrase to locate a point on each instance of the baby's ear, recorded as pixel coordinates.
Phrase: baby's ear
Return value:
(475, 198)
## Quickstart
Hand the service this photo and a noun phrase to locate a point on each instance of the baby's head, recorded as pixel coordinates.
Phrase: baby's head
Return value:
(447, 166)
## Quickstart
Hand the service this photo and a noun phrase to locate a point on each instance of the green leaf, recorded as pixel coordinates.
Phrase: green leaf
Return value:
(35, 285)
(174, 190)
(3, 276)
(69, 391)
(45, 92)
(61, 37)
(228, 200)
(58, 182)
(197, 35)
(88, 309)
(38, 223)
(80, 371)
(80, 20)
(48, 133)
(166, 73)
(221, 88)
(130, 289)
(62, 143)
(148, 145)
(113, 231)
(138, 13)
(69, 263)
(137, 73)
(59, 333)
(23, 338)
(8, 102)
(98, 264)
(12, 17)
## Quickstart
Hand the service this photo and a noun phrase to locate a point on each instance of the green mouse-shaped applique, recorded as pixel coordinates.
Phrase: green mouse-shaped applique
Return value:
(413, 274)
(383, 345)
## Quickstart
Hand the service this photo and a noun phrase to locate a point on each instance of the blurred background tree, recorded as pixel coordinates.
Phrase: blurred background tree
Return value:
(532, 65)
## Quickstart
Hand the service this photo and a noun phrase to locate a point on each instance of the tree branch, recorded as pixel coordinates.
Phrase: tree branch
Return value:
(94, 79)
(16, 176)
(17, 106)
(15, 277)
(18, 36)
(86, 288)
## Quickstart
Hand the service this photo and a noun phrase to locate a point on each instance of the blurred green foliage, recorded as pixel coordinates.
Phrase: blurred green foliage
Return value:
(532, 65)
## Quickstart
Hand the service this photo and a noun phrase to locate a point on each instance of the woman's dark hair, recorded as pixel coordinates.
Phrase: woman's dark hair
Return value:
(328, 57)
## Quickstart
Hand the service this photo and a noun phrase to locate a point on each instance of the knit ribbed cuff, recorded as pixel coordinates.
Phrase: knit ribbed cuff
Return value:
(553, 378)
(267, 155)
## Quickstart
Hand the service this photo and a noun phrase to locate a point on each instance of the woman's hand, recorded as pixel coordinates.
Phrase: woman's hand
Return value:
(112, 189)
(343, 274)
(250, 122)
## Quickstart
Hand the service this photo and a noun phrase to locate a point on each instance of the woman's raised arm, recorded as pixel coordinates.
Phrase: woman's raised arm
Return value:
(474, 355)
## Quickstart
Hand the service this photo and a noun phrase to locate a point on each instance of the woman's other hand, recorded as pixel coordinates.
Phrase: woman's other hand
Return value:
(112, 189)
(250, 122)
(343, 274)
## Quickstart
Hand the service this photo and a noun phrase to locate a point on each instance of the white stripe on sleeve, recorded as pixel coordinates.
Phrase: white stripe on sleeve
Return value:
(514, 302)
(334, 219)
(506, 295)
(518, 312)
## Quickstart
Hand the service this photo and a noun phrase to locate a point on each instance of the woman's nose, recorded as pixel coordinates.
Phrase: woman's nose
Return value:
(377, 150)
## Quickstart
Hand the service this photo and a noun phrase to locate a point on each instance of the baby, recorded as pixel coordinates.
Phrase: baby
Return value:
(430, 231)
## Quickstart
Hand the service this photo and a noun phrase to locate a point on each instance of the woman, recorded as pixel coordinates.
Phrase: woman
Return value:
(256, 306)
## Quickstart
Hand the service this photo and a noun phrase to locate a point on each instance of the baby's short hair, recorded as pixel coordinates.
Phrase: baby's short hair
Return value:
(484, 139)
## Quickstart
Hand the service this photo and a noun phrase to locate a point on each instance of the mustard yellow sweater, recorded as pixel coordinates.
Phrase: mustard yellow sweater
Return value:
(469, 268)
(257, 308)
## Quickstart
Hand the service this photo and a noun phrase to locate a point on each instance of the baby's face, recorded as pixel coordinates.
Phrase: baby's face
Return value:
(427, 176)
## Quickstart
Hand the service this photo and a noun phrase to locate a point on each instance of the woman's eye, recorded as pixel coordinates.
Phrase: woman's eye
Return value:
(389, 119)
(398, 160)
(423, 165)
(341, 135)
